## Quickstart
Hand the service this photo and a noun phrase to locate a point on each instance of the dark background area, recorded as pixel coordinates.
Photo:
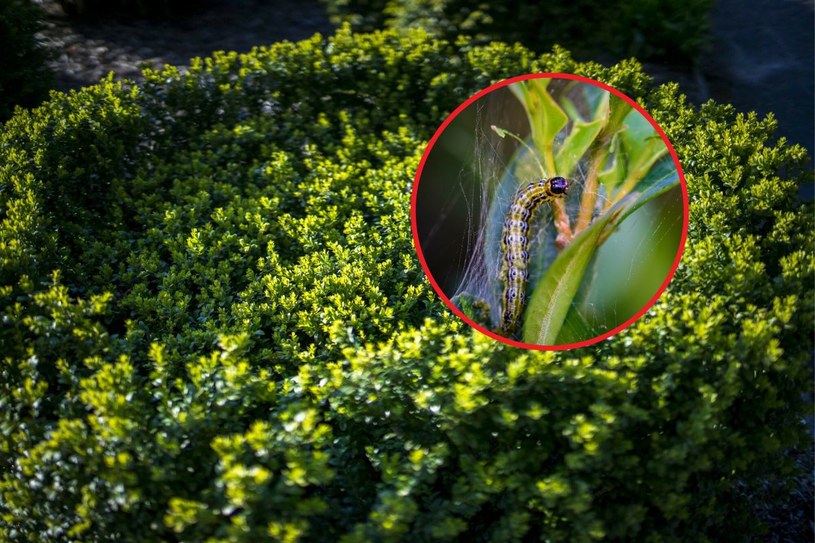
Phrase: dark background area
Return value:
(761, 57)
(84, 49)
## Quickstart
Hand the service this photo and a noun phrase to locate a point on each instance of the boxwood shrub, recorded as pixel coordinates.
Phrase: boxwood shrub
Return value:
(215, 327)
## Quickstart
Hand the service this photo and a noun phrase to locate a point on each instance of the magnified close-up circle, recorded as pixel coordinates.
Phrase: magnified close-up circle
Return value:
(549, 211)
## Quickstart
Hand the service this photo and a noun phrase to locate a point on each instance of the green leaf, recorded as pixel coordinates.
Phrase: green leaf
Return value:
(618, 111)
(642, 147)
(552, 298)
(661, 178)
(629, 266)
(473, 307)
(582, 135)
(570, 108)
(614, 175)
(546, 118)
(500, 131)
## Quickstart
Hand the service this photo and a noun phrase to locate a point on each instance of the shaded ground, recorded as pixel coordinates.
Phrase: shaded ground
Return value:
(84, 52)
(763, 59)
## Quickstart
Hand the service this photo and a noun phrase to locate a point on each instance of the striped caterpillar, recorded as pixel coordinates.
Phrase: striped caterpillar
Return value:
(515, 245)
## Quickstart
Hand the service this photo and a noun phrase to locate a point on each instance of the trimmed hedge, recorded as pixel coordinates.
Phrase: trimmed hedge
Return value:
(215, 326)
(659, 30)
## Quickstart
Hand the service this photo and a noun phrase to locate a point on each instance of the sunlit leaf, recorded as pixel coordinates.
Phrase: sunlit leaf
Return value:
(642, 147)
(546, 118)
(614, 174)
(633, 257)
(660, 180)
(552, 298)
(500, 131)
(576, 144)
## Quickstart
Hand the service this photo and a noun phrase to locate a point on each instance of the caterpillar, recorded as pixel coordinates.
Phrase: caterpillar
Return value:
(515, 247)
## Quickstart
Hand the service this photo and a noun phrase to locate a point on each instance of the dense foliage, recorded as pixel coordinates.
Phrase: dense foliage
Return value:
(24, 76)
(215, 326)
(673, 30)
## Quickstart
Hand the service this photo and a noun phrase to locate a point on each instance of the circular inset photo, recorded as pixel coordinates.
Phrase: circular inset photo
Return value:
(549, 211)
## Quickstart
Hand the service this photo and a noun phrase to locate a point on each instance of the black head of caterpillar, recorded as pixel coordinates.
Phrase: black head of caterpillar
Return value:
(558, 186)
(515, 246)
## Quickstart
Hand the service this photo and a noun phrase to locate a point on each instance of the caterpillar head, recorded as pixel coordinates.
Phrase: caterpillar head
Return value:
(558, 186)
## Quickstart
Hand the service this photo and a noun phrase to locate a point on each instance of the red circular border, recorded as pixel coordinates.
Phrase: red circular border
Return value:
(452, 306)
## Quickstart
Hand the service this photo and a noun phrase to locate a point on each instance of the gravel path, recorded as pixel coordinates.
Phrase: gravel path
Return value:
(84, 52)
